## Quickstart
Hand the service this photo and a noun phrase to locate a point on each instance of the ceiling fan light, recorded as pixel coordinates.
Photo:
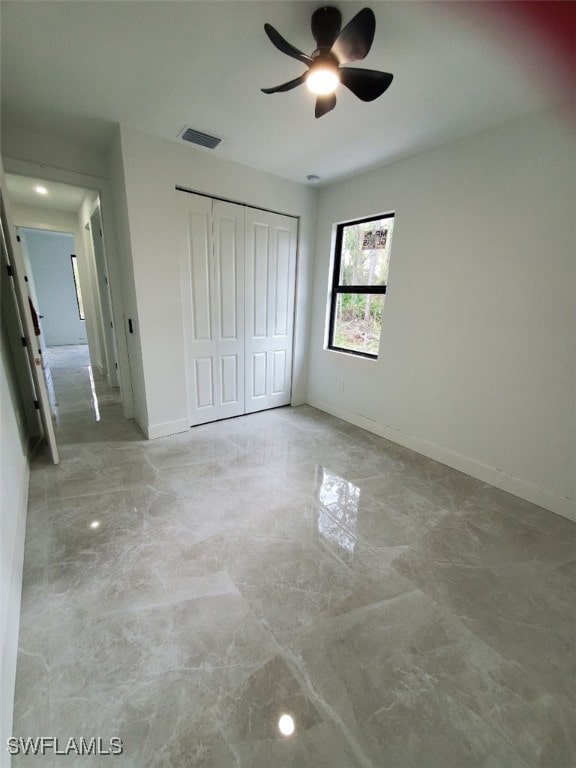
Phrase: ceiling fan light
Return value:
(322, 80)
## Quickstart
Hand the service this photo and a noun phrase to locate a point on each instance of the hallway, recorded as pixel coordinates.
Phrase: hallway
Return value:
(83, 397)
(183, 594)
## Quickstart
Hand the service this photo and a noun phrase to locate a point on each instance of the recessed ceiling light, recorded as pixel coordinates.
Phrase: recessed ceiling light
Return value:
(95, 524)
(41, 190)
(286, 725)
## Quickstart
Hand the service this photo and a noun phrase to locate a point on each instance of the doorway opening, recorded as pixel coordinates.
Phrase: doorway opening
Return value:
(62, 243)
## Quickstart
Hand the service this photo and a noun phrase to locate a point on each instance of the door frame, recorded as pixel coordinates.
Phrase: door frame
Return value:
(101, 267)
(102, 187)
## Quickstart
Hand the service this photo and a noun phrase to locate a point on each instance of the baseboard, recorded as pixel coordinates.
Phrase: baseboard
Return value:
(168, 428)
(496, 477)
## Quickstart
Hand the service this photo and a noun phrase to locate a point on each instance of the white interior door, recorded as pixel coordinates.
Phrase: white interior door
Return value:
(212, 278)
(12, 256)
(269, 297)
(42, 348)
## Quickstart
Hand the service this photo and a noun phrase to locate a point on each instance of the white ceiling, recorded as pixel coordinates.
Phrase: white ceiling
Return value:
(60, 197)
(77, 68)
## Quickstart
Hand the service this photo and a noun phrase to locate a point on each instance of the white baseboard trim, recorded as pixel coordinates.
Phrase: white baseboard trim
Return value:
(496, 477)
(169, 428)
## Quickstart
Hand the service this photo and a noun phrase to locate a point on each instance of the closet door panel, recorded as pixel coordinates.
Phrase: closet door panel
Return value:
(259, 370)
(283, 310)
(229, 380)
(204, 376)
(197, 278)
(200, 275)
(279, 372)
(227, 256)
(228, 228)
(212, 269)
(258, 290)
(283, 267)
(270, 274)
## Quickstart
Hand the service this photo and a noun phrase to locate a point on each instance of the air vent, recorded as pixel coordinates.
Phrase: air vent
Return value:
(197, 137)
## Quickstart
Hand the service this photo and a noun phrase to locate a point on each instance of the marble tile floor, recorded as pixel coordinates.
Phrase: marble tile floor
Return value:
(183, 594)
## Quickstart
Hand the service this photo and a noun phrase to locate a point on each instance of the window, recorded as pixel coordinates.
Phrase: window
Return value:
(77, 286)
(361, 261)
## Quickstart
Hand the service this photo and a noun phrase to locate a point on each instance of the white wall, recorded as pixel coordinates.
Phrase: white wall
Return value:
(476, 364)
(14, 475)
(18, 143)
(152, 168)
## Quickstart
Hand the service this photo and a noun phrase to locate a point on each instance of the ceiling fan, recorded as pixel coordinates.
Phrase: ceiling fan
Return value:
(335, 47)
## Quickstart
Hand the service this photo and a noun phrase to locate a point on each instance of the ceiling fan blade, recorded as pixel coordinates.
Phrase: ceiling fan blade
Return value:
(326, 25)
(367, 84)
(284, 46)
(286, 86)
(355, 40)
(324, 104)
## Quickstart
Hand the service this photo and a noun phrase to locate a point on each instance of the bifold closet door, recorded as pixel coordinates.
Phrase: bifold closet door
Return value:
(212, 268)
(270, 264)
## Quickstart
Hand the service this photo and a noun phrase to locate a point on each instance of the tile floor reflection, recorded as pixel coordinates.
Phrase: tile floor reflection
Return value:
(337, 513)
(286, 563)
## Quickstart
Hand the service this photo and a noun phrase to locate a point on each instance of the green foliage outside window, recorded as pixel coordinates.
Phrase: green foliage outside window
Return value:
(363, 261)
